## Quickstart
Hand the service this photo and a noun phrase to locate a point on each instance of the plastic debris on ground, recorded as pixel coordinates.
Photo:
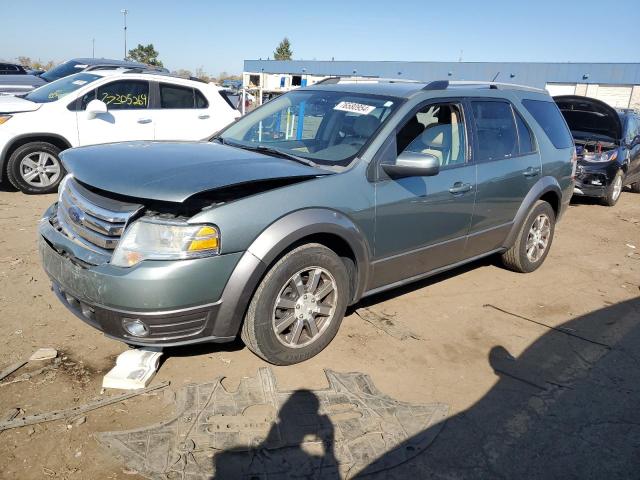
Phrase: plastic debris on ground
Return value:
(134, 369)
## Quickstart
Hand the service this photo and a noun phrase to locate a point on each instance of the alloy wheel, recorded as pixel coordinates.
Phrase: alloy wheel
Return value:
(305, 307)
(617, 187)
(538, 238)
(40, 169)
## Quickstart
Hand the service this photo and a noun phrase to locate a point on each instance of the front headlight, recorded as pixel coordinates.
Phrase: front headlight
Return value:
(4, 118)
(609, 156)
(155, 239)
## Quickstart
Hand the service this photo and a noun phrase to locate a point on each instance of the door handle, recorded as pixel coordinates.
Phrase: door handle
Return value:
(531, 172)
(204, 116)
(459, 188)
(144, 120)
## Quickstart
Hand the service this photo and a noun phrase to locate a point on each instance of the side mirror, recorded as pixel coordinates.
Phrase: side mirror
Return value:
(95, 107)
(412, 164)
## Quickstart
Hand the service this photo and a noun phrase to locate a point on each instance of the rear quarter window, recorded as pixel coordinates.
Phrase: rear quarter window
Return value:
(548, 116)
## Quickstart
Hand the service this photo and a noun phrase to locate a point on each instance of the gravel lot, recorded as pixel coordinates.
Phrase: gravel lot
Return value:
(540, 371)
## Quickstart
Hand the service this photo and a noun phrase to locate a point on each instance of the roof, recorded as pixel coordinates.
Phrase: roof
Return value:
(155, 75)
(405, 89)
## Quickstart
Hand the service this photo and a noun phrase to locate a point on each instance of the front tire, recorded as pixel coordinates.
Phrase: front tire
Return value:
(35, 168)
(614, 190)
(298, 307)
(533, 241)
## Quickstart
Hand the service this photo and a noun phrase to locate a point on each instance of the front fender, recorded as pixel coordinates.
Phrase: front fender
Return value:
(271, 243)
(541, 187)
(295, 226)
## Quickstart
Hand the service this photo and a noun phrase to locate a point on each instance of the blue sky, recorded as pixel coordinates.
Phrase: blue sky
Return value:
(218, 36)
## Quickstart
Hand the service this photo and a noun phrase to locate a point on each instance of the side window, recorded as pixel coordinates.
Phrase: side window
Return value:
(201, 101)
(124, 95)
(497, 136)
(525, 136)
(436, 130)
(548, 116)
(632, 129)
(86, 98)
(175, 96)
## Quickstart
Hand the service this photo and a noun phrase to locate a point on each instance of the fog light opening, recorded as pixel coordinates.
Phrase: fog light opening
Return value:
(135, 327)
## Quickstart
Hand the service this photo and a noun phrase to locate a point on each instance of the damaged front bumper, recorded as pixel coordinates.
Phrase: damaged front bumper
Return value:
(593, 179)
(179, 302)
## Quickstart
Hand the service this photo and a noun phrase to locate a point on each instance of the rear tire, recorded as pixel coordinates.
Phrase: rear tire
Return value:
(35, 168)
(635, 187)
(298, 306)
(614, 190)
(533, 241)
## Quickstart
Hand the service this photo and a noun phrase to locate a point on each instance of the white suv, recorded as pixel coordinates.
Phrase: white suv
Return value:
(100, 107)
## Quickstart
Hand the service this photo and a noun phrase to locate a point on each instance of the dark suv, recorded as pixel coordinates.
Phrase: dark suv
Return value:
(607, 144)
(313, 201)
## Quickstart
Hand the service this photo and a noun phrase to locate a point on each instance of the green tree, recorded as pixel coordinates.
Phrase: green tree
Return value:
(283, 52)
(145, 54)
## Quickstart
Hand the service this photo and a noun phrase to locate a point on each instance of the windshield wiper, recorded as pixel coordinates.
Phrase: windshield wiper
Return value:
(271, 151)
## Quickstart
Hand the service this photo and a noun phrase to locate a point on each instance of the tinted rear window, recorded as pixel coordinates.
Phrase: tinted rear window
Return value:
(548, 116)
(174, 96)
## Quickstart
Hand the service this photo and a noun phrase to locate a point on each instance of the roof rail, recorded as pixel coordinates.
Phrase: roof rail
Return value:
(334, 80)
(151, 71)
(445, 84)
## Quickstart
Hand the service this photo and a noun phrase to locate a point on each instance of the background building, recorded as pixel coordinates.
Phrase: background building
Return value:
(618, 84)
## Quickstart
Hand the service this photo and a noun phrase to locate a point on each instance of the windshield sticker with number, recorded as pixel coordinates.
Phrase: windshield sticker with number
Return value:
(353, 107)
(79, 82)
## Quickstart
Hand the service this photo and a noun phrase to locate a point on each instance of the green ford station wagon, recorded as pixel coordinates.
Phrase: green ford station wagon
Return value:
(311, 202)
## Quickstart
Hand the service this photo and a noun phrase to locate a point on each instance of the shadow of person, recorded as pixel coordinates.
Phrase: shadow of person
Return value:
(300, 445)
(566, 407)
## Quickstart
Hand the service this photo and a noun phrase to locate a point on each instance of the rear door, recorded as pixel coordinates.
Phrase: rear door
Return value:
(127, 118)
(183, 113)
(422, 222)
(508, 165)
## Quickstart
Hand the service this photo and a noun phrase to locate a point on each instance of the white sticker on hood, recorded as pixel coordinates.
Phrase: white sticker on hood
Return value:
(353, 107)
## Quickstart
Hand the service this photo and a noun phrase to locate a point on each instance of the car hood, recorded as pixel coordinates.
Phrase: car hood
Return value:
(586, 116)
(175, 171)
(12, 104)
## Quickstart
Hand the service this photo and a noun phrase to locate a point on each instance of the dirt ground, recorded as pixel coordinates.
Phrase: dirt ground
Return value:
(594, 264)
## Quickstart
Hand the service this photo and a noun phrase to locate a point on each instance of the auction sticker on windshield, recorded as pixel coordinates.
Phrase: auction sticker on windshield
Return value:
(353, 107)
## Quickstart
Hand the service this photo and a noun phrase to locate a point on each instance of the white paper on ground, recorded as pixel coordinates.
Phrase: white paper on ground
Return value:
(134, 369)
(43, 354)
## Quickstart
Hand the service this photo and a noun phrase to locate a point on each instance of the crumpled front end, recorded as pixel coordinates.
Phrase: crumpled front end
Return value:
(159, 302)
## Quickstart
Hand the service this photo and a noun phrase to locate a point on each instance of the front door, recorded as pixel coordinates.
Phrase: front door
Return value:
(128, 116)
(632, 140)
(508, 164)
(422, 222)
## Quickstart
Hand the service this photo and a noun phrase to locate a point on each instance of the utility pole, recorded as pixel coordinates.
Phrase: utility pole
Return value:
(124, 13)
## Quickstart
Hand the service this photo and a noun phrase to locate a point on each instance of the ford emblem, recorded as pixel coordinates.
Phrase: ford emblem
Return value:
(76, 215)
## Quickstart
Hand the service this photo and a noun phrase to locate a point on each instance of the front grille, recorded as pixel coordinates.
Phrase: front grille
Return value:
(93, 221)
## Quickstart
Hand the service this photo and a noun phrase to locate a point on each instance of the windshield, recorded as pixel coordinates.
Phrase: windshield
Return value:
(56, 90)
(328, 128)
(63, 70)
